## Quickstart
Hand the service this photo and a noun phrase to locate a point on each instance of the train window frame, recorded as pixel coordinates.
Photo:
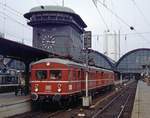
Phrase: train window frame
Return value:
(74, 74)
(56, 75)
(70, 74)
(79, 74)
(102, 73)
(44, 77)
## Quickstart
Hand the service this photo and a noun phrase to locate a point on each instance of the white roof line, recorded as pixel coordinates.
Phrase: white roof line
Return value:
(67, 62)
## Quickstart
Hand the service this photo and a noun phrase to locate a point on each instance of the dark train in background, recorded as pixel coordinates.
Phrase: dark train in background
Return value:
(9, 74)
(63, 80)
(8, 82)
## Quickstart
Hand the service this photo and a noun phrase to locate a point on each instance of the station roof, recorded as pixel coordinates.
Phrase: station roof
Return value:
(133, 61)
(20, 51)
(101, 60)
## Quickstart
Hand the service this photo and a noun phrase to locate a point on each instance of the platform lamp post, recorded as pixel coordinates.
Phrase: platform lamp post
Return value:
(87, 100)
(87, 69)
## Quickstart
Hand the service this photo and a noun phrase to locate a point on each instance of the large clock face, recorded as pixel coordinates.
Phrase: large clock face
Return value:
(48, 41)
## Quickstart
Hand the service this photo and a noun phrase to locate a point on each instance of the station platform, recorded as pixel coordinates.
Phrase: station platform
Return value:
(11, 105)
(141, 108)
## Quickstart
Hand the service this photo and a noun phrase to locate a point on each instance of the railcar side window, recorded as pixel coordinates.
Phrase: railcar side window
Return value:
(41, 74)
(69, 74)
(79, 74)
(55, 74)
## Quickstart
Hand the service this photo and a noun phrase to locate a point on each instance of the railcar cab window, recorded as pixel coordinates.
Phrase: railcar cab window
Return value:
(55, 74)
(41, 74)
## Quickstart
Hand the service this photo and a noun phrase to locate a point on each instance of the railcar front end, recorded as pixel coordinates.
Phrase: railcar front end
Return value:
(54, 81)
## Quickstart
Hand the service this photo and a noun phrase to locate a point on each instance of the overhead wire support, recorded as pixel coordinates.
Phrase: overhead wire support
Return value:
(100, 14)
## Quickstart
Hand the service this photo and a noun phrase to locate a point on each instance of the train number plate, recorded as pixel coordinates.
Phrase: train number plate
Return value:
(48, 87)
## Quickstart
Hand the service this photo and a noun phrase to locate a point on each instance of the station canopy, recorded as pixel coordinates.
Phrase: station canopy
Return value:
(15, 50)
(134, 61)
(100, 60)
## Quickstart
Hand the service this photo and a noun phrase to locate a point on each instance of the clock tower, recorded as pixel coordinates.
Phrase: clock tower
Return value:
(58, 30)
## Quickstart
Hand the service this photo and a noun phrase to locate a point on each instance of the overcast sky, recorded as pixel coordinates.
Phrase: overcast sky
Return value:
(132, 13)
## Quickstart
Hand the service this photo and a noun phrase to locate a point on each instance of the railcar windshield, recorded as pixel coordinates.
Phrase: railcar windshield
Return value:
(41, 74)
(55, 74)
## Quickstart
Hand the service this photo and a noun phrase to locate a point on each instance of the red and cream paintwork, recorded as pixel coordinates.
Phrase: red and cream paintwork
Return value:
(71, 78)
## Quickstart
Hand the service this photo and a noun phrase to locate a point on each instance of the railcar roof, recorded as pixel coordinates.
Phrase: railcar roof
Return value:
(67, 62)
(58, 60)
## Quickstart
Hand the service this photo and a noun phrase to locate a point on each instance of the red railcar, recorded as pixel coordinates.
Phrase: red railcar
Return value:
(57, 79)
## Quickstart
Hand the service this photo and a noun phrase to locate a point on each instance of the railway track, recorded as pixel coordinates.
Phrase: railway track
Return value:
(120, 106)
(39, 114)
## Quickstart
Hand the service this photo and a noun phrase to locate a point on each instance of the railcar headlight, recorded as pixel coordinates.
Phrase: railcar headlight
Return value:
(48, 64)
(59, 90)
(36, 88)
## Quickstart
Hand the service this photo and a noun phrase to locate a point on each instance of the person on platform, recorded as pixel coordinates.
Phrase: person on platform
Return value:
(21, 86)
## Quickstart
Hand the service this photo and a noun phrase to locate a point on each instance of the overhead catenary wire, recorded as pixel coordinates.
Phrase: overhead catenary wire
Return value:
(123, 21)
(140, 11)
(136, 33)
(143, 37)
(143, 16)
(94, 2)
(5, 5)
(139, 34)
(4, 18)
(116, 15)
(146, 21)
(14, 10)
(13, 19)
(8, 13)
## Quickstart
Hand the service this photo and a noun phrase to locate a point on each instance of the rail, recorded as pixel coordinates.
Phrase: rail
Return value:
(123, 107)
(107, 105)
(122, 101)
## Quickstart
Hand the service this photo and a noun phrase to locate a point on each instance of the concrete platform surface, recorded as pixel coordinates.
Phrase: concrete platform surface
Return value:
(11, 105)
(141, 107)
(10, 98)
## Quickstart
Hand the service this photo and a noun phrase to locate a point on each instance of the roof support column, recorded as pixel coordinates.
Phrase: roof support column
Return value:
(27, 76)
